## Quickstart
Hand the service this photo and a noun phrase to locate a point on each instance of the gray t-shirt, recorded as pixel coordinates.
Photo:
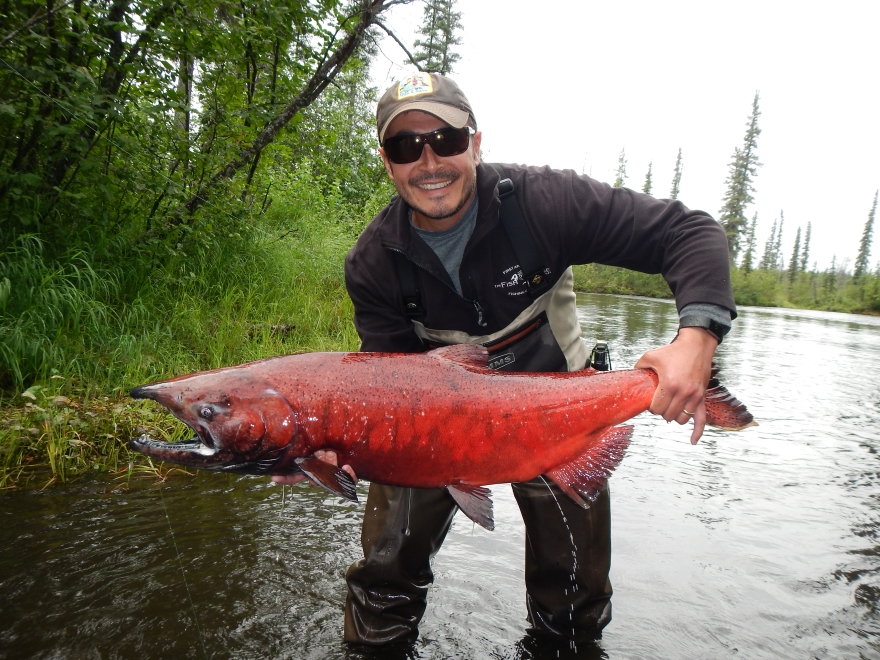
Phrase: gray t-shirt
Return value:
(449, 244)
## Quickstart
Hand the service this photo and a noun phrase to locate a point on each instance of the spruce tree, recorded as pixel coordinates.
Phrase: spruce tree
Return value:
(676, 178)
(768, 259)
(433, 52)
(778, 261)
(748, 261)
(620, 178)
(805, 252)
(794, 265)
(829, 281)
(648, 180)
(740, 183)
(861, 265)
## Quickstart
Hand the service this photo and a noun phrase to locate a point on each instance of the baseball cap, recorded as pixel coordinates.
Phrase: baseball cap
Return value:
(429, 92)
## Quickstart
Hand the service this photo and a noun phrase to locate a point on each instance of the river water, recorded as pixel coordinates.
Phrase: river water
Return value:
(758, 544)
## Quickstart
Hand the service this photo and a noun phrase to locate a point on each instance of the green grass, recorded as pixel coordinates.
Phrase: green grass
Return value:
(78, 332)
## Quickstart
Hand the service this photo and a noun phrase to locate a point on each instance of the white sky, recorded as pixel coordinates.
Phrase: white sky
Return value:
(568, 83)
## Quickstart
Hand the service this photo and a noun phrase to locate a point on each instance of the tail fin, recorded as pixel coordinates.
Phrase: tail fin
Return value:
(723, 410)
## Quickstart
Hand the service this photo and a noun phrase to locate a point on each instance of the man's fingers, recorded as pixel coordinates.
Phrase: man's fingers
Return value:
(699, 423)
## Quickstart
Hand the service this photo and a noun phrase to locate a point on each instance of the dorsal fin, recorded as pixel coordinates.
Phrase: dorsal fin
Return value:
(470, 355)
(587, 473)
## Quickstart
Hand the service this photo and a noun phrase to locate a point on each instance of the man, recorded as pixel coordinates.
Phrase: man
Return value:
(438, 266)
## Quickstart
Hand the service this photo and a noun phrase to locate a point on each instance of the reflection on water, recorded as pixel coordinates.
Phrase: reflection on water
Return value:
(762, 544)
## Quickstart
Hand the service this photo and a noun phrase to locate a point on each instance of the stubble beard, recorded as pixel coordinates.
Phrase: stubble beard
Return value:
(444, 210)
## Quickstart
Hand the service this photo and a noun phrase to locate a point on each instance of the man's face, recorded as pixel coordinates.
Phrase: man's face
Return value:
(438, 189)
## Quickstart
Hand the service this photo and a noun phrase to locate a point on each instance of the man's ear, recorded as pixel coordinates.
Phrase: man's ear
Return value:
(387, 163)
(478, 138)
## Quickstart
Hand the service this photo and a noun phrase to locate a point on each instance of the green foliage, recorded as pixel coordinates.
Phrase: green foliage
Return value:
(795, 263)
(861, 265)
(833, 290)
(434, 51)
(740, 184)
(649, 184)
(749, 256)
(805, 253)
(116, 267)
(118, 116)
(275, 288)
(596, 278)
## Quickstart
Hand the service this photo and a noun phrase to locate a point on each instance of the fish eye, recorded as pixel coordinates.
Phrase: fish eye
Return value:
(206, 412)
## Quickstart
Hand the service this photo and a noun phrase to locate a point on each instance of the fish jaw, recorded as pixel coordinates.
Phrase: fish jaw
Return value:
(241, 423)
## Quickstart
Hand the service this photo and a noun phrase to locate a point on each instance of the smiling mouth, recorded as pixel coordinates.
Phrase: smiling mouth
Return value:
(434, 186)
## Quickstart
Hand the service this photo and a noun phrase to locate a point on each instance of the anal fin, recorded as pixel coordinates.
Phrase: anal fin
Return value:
(329, 476)
(475, 502)
(583, 478)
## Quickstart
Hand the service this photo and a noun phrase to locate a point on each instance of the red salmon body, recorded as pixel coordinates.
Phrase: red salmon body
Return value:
(436, 419)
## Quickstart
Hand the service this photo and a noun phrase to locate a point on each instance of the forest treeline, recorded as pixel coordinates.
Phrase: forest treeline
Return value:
(759, 277)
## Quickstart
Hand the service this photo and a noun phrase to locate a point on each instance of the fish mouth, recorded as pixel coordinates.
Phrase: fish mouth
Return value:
(196, 453)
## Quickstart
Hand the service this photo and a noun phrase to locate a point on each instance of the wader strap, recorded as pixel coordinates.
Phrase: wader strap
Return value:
(406, 272)
(518, 232)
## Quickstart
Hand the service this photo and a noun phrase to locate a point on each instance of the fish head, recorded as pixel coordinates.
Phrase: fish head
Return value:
(242, 424)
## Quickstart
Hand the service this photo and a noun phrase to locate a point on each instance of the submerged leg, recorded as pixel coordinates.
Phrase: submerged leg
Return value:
(568, 558)
(387, 589)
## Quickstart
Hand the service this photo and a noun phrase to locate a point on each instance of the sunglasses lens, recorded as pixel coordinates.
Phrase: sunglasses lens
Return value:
(450, 141)
(404, 149)
(445, 142)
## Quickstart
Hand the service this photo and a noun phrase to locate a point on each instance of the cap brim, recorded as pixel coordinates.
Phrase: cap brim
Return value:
(455, 117)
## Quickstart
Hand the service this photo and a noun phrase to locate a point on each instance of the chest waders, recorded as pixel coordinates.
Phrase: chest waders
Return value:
(567, 548)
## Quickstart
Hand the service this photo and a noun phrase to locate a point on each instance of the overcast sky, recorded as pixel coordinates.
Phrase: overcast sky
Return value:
(569, 83)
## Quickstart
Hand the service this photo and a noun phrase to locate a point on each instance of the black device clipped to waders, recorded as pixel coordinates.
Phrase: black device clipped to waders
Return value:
(600, 357)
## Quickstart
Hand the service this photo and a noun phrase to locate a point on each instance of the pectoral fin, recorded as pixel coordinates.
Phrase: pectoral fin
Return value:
(585, 476)
(475, 502)
(329, 476)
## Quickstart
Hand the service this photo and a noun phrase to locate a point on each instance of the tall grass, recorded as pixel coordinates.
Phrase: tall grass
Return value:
(76, 334)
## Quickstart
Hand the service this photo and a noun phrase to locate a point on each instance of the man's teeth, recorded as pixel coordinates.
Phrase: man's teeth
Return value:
(434, 186)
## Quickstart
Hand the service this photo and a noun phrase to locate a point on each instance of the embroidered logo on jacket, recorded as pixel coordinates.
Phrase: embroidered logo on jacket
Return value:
(515, 283)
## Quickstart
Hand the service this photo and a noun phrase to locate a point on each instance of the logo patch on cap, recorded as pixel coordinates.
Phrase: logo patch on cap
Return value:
(417, 83)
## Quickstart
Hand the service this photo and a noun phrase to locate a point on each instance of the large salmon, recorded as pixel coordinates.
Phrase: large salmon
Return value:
(436, 419)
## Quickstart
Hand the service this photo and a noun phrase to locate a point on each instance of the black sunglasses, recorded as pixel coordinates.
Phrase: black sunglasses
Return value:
(445, 142)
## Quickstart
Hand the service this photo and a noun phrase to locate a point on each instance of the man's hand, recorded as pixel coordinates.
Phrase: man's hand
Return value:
(684, 368)
(327, 457)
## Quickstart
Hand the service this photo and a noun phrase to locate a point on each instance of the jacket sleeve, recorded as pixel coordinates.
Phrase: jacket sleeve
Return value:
(597, 223)
(378, 306)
